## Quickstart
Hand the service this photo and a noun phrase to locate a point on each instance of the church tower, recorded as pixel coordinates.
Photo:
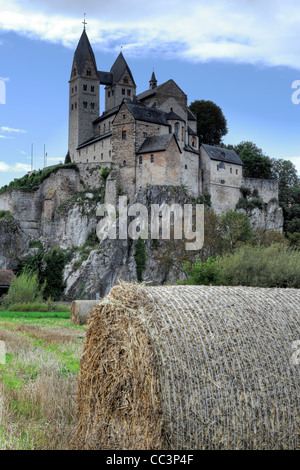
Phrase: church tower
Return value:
(122, 84)
(84, 98)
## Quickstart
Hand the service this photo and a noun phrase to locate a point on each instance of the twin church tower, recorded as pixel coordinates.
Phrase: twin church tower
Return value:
(149, 138)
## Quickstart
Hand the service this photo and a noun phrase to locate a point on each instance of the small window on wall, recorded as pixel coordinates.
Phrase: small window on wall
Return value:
(124, 163)
(152, 158)
(222, 165)
(125, 79)
(72, 107)
(92, 89)
(123, 91)
(108, 94)
(89, 73)
(92, 105)
(185, 166)
(84, 87)
(101, 156)
(124, 133)
(236, 172)
(128, 92)
(140, 159)
(230, 170)
(85, 104)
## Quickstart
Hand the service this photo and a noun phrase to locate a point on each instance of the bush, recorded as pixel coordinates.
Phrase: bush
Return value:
(203, 273)
(38, 307)
(24, 288)
(273, 266)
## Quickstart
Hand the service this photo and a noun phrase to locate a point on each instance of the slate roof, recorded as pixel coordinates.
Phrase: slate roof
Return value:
(94, 139)
(157, 143)
(174, 117)
(191, 116)
(147, 114)
(191, 132)
(188, 148)
(118, 69)
(82, 52)
(222, 155)
(105, 78)
(106, 114)
(6, 277)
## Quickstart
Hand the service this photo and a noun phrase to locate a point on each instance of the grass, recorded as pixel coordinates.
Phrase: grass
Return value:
(38, 381)
(26, 315)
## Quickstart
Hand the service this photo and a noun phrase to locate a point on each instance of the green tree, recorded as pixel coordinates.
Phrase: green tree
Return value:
(53, 274)
(256, 163)
(236, 229)
(289, 193)
(211, 122)
(202, 273)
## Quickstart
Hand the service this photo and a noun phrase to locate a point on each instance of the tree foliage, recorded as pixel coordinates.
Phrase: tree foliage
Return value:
(211, 122)
(256, 163)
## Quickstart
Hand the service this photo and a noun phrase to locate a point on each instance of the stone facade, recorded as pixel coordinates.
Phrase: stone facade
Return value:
(132, 136)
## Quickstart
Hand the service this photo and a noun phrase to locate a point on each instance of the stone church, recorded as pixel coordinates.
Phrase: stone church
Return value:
(148, 138)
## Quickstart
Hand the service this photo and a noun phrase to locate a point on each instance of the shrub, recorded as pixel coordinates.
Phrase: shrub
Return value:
(202, 273)
(276, 265)
(24, 288)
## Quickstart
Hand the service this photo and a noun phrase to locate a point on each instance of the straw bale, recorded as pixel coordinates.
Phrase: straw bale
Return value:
(80, 310)
(190, 367)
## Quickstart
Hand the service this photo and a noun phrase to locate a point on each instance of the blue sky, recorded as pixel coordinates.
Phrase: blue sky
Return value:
(242, 54)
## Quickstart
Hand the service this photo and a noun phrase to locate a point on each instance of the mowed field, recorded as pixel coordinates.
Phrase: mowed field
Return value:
(38, 381)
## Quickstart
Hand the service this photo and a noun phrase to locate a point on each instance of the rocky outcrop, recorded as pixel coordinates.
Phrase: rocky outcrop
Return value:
(62, 212)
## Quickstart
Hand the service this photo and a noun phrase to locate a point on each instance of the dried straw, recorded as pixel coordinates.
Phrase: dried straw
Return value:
(190, 367)
(80, 310)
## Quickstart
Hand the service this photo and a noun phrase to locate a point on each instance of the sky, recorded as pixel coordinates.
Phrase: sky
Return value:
(244, 55)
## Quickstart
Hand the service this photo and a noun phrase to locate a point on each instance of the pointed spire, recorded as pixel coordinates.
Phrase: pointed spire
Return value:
(83, 50)
(153, 81)
(119, 68)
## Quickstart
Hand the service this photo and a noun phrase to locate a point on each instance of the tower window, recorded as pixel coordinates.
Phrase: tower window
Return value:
(176, 129)
(72, 90)
(109, 153)
(140, 159)
(89, 73)
(92, 88)
(108, 94)
(126, 80)
(76, 88)
(74, 71)
(124, 163)
(85, 104)
(123, 91)
(72, 107)
(92, 105)
(128, 92)
(101, 156)
(84, 87)
(124, 135)
(75, 105)
(152, 158)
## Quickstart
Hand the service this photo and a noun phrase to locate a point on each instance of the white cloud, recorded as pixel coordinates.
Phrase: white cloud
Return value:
(17, 167)
(11, 130)
(251, 31)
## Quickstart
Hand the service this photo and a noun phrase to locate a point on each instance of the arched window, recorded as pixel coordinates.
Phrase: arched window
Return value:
(140, 159)
(176, 128)
(152, 158)
(124, 162)
(124, 133)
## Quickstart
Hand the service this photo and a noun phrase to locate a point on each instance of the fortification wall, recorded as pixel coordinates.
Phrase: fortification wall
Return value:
(267, 189)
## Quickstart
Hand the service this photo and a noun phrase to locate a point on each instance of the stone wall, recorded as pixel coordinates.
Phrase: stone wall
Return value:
(267, 189)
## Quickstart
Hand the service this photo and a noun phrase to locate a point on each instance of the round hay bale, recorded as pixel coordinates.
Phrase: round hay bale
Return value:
(80, 310)
(190, 367)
